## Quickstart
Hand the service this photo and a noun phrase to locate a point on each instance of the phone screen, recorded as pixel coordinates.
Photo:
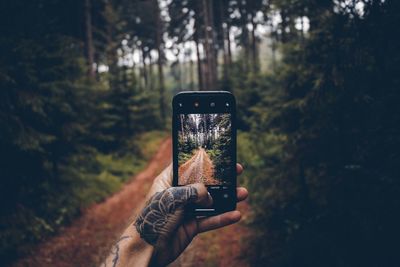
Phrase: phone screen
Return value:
(204, 138)
(204, 149)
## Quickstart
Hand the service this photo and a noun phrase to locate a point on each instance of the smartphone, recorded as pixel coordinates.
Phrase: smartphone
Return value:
(204, 146)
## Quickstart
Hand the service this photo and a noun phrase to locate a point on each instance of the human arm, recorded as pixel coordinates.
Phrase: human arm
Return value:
(161, 231)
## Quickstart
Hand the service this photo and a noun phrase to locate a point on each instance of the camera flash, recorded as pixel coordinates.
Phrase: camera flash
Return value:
(196, 104)
(180, 105)
(227, 104)
(212, 104)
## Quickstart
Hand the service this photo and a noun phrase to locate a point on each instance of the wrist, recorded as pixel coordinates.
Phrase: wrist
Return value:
(130, 250)
(139, 252)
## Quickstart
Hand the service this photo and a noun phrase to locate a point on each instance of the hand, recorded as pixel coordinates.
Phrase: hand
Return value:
(163, 225)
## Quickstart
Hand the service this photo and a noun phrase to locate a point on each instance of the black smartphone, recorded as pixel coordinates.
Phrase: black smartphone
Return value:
(204, 146)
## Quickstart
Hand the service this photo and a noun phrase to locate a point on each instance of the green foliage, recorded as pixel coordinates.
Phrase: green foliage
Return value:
(321, 151)
(122, 113)
(66, 140)
(183, 157)
(148, 142)
(220, 147)
(85, 179)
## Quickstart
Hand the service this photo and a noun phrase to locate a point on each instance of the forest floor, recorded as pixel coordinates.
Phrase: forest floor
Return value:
(88, 239)
(198, 169)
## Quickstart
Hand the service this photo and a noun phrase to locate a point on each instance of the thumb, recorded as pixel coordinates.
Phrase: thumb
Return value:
(203, 198)
(179, 197)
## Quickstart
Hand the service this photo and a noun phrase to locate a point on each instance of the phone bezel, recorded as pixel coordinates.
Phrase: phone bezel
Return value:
(204, 98)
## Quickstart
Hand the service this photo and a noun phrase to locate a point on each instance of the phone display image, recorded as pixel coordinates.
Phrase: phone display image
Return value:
(204, 149)
(204, 146)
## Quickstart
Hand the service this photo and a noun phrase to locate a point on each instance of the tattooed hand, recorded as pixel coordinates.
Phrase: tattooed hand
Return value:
(163, 211)
(161, 231)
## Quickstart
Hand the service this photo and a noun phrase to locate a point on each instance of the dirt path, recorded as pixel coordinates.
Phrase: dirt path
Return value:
(224, 247)
(88, 239)
(198, 168)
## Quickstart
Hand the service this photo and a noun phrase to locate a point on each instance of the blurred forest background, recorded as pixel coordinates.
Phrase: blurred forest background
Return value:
(85, 90)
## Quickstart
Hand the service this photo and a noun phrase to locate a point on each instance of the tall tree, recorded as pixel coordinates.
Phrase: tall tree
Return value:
(160, 59)
(196, 37)
(89, 40)
(210, 57)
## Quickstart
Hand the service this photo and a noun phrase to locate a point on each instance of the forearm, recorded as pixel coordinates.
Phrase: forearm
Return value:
(130, 250)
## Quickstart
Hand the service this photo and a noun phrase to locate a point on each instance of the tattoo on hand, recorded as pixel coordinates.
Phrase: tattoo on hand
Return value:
(152, 221)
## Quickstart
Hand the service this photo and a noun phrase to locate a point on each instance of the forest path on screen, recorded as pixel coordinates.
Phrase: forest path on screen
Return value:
(198, 169)
(87, 241)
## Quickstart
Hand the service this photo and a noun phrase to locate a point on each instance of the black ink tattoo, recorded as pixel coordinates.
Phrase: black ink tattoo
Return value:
(115, 252)
(152, 221)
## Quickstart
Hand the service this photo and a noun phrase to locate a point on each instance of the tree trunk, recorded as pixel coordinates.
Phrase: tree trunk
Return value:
(228, 35)
(199, 67)
(89, 41)
(96, 59)
(210, 69)
(159, 44)
(112, 57)
(302, 28)
(254, 45)
(144, 68)
(182, 129)
(206, 46)
(283, 26)
(134, 78)
(181, 75)
(223, 26)
(191, 74)
(245, 36)
(213, 49)
(178, 68)
(151, 82)
(273, 45)
(125, 76)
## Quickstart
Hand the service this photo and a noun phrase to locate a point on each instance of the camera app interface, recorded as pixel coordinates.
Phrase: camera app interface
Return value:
(204, 149)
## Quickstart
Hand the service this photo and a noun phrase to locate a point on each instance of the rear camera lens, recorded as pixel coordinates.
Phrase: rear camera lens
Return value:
(180, 104)
(212, 104)
(227, 104)
(196, 104)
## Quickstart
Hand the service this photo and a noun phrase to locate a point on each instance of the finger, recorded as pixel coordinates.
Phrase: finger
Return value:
(239, 169)
(219, 221)
(241, 193)
(203, 197)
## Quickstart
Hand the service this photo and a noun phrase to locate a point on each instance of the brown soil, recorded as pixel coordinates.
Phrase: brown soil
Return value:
(224, 247)
(86, 242)
(198, 169)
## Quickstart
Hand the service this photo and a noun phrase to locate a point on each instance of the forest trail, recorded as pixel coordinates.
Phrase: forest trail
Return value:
(224, 247)
(198, 168)
(88, 239)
